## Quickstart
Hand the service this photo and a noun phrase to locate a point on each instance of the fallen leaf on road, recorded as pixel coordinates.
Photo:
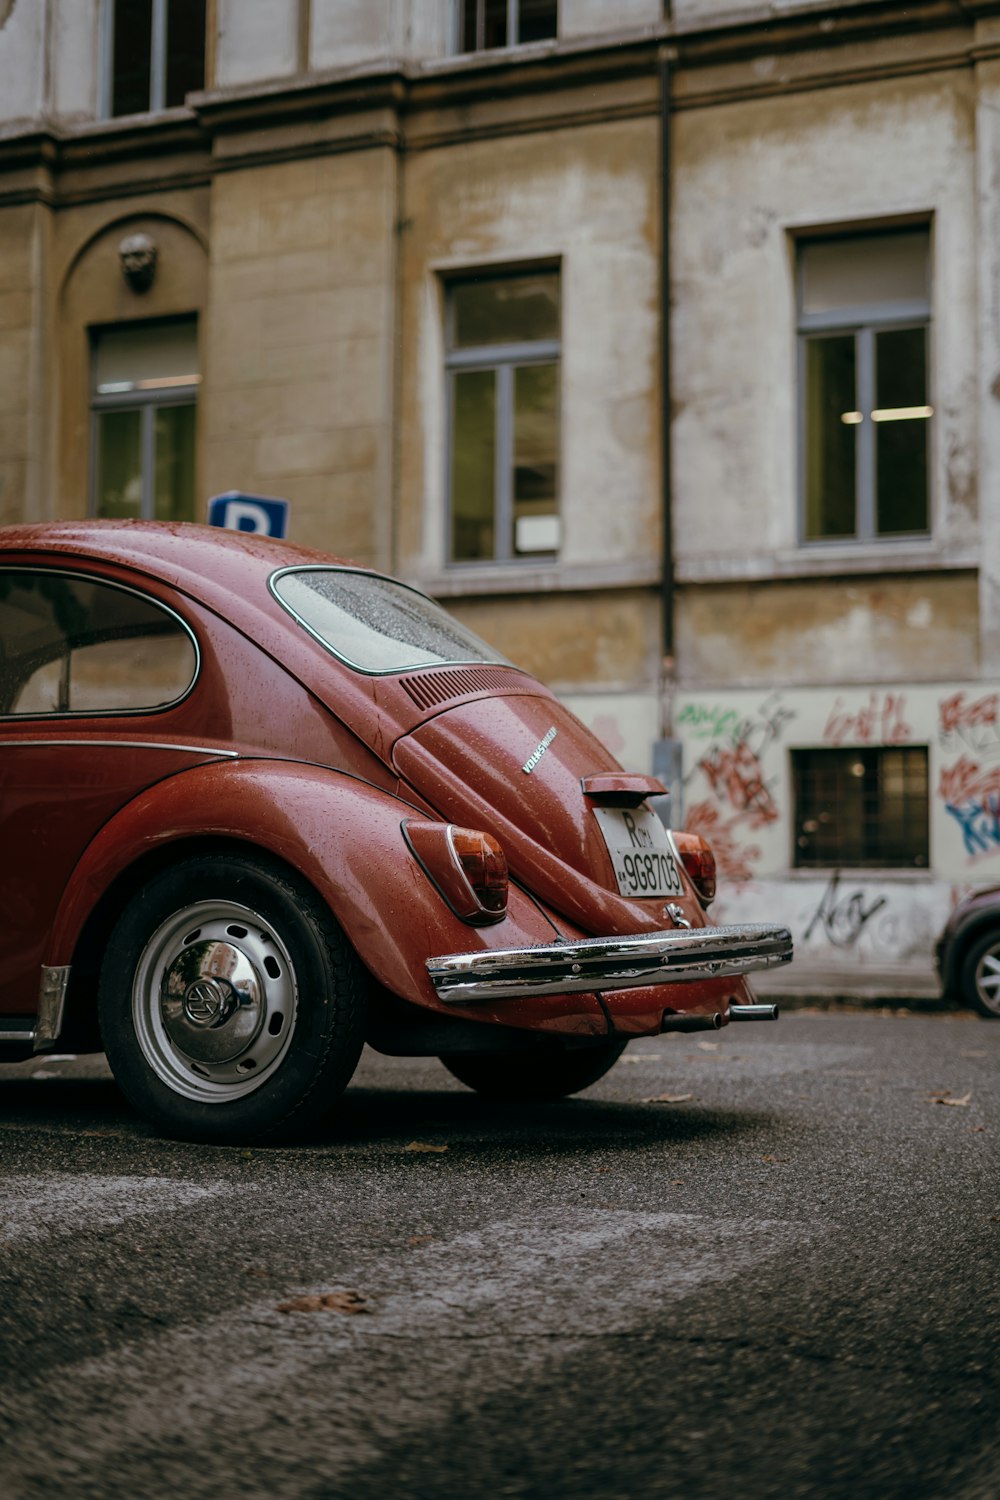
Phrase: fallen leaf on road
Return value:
(641, 1057)
(962, 1103)
(668, 1099)
(342, 1302)
(423, 1146)
(420, 1239)
(708, 1046)
(976, 1129)
(776, 1158)
(981, 1053)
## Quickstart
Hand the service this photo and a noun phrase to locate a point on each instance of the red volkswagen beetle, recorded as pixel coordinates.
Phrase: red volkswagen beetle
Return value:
(260, 807)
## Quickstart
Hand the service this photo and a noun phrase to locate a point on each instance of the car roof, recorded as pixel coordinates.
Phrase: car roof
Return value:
(182, 553)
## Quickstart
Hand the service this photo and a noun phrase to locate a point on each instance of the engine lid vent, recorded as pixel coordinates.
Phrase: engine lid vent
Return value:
(431, 689)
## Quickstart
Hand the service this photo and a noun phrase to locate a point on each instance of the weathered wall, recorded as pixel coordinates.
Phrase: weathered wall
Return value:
(591, 17)
(916, 627)
(299, 345)
(587, 202)
(746, 177)
(738, 793)
(570, 640)
(255, 41)
(23, 232)
(22, 59)
(90, 291)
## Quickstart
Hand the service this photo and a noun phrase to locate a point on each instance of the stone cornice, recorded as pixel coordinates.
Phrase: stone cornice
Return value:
(764, 50)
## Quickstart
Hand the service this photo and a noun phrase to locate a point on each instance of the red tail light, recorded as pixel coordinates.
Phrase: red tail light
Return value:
(699, 861)
(468, 867)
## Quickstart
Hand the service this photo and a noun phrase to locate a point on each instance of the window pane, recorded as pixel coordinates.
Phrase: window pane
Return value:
(536, 20)
(133, 30)
(496, 23)
(185, 49)
(79, 646)
(536, 452)
(119, 464)
(510, 310)
(830, 439)
(376, 624)
(902, 423)
(173, 478)
(865, 271)
(473, 465)
(861, 808)
(467, 26)
(145, 356)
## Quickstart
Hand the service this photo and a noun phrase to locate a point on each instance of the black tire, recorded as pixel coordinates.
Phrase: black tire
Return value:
(979, 975)
(534, 1075)
(231, 1005)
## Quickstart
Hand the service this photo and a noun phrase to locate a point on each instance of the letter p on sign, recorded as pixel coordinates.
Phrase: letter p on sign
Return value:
(256, 513)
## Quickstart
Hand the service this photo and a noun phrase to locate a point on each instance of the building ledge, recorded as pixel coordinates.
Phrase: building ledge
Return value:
(535, 578)
(822, 561)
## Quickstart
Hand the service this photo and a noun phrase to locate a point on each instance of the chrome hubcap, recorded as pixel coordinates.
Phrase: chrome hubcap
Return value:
(214, 1001)
(988, 978)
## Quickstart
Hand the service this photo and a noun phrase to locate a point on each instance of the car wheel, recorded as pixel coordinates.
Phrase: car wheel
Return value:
(231, 1006)
(979, 983)
(527, 1075)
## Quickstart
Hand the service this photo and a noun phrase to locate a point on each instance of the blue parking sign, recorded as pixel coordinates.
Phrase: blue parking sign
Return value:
(258, 513)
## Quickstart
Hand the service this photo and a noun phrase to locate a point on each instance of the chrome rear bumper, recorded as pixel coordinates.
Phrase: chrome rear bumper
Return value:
(612, 963)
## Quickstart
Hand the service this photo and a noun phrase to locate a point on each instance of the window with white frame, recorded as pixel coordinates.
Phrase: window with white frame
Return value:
(143, 408)
(864, 324)
(484, 24)
(502, 356)
(153, 54)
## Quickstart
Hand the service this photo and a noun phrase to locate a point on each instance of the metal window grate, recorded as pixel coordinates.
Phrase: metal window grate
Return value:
(861, 808)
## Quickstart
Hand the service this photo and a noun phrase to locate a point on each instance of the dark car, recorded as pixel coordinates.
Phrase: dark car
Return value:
(968, 952)
(260, 807)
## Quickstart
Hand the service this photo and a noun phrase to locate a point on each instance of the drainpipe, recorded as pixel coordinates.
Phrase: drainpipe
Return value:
(667, 763)
(666, 477)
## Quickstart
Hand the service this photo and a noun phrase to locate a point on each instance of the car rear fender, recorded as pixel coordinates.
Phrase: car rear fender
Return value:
(340, 834)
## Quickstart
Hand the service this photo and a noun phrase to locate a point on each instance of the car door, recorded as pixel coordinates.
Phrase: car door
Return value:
(90, 672)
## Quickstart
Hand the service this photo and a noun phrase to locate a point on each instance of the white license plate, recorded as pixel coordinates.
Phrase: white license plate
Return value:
(640, 850)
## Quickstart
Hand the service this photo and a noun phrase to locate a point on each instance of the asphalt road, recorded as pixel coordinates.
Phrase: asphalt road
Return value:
(765, 1264)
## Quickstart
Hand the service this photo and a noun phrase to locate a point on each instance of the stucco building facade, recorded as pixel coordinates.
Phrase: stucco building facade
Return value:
(661, 343)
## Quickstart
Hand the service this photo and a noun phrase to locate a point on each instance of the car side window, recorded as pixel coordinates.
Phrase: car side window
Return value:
(75, 645)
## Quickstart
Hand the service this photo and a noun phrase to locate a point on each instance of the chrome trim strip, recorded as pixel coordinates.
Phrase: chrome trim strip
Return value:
(121, 745)
(611, 963)
(51, 1004)
(17, 1036)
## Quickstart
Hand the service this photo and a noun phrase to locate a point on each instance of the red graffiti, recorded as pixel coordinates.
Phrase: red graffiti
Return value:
(882, 721)
(737, 775)
(956, 714)
(733, 861)
(968, 781)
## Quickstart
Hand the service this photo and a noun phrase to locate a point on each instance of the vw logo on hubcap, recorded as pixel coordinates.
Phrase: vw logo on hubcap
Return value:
(208, 1002)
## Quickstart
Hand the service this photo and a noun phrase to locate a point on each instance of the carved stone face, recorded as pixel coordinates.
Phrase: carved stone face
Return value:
(138, 255)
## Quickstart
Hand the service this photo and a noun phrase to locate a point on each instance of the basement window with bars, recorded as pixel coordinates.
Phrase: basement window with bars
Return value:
(481, 25)
(861, 808)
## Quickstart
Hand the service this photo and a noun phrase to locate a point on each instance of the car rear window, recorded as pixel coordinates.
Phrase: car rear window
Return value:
(375, 624)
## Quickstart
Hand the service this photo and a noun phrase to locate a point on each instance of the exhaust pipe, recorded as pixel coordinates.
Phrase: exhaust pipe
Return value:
(695, 1022)
(753, 1012)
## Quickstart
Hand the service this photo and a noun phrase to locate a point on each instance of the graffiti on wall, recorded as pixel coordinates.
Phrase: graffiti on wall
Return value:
(880, 721)
(969, 787)
(740, 796)
(842, 916)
